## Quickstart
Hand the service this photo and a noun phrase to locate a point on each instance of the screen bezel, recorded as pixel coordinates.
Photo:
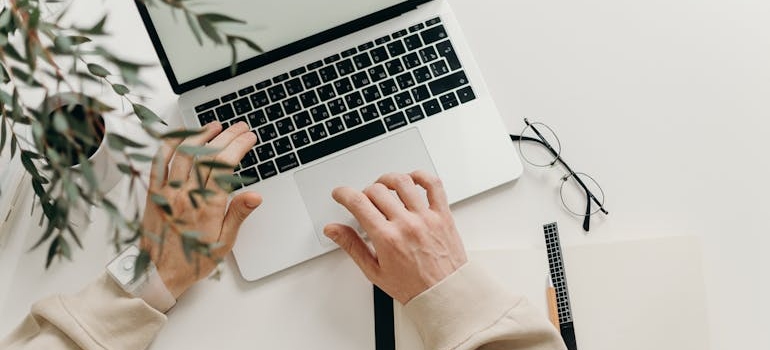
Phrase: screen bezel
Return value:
(273, 55)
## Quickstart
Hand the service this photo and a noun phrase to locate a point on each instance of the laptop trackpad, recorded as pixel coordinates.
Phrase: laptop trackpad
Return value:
(401, 153)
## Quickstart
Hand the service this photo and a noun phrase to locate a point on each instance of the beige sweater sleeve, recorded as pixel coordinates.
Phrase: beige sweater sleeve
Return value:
(101, 316)
(469, 310)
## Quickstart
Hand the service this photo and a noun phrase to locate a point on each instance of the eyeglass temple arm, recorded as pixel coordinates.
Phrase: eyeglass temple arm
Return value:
(561, 161)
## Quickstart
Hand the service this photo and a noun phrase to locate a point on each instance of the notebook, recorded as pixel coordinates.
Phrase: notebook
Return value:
(632, 295)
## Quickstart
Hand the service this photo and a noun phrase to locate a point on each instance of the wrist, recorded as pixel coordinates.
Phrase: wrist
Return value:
(148, 285)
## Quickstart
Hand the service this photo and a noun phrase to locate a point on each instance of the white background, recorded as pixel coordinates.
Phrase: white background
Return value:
(664, 102)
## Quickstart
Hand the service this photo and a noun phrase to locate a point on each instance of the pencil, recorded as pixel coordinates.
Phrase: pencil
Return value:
(553, 312)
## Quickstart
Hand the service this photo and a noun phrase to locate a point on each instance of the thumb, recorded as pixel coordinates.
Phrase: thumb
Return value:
(238, 210)
(349, 240)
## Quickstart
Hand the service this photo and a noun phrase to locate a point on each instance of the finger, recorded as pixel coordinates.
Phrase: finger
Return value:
(412, 197)
(358, 204)
(385, 201)
(349, 240)
(221, 142)
(435, 189)
(232, 154)
(239, 209)
(159, 171)
(182, 164)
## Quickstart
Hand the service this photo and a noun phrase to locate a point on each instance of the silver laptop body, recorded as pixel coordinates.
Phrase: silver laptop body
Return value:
(454, 132)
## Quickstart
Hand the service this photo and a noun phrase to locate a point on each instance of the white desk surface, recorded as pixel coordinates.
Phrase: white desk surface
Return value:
(664, 102)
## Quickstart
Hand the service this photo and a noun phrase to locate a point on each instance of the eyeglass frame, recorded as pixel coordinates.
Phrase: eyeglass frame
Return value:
(558, 159)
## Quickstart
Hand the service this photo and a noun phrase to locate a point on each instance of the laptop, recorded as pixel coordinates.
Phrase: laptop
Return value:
(345, 91)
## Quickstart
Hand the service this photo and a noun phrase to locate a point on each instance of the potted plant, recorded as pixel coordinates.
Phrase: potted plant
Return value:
(57, 127)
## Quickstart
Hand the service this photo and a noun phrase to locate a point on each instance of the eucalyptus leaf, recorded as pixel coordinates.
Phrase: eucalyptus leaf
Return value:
(216, 165)
(119, 142)
(196, 150)
(193, 27)
(53, 250)
(146, 115)
(217, 18)
(120, 89)
(162, 202)
(209, 30)
(141, 264)
(181, 134)
(140, 157)
(98, 70)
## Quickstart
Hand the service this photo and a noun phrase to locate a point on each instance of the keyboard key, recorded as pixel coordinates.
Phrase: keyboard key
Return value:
(259, 99)
(349, 52)
(287, 162)
(294, 86)
(433, 21)
(422, 75)
(446, 50)
(343, 86)
(414, 114)
(382, 40)
(395, 121)
(340, 142)
(257, 118)
(369, 112)
(439, 68)
(225, 125)
(365, 46)
(449, 100)
(388, 87)
(354, 100)
(317, 132)
(265, 152)
(416, 28)
(421, 93)
(300, 138)
(331, 59)
(394, 67)
(449, 82)
(377, 73)
(207, 117)
(291, 105)
(242, 106)
(208, 105)
(319, 113)
(428, 54)
(360, 79)
(466, 94)
(326, 92)
(396, 48)
(281, 78)
(386, 106)
(229, 97)
(263, 84)
(274, 112)
(298, 71)
(431, 107)
(311, 80)
(302, 119)
(352, 119)
(399, 34)
(267, 133)
(250, 173)
(225, 113)
(434, 34)
(371, 93)
(284, 126)
(249, 159)
(282, 145)
(334, 126)
(308, 99)
(405, 81)
(411, 60)
(345, 67)
(267, 170)
(276, 93)
(245, 91)
(379, 54)
(328, 73)
(336, 106)
(315, 65)
(403, 99)
(362, 61)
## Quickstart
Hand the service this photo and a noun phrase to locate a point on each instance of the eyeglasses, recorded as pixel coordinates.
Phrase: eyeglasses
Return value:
(580, 194)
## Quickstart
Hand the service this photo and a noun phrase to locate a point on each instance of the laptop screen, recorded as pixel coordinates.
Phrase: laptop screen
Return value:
(270, 24)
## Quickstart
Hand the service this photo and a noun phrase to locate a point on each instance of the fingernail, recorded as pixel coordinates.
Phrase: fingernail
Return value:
(332, 234)
(251, 204)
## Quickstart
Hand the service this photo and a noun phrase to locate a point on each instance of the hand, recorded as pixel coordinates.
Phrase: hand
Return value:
(213, 219)
(416, 244)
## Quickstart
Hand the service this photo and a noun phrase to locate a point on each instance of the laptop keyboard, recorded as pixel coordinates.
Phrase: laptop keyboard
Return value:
(344, 99)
